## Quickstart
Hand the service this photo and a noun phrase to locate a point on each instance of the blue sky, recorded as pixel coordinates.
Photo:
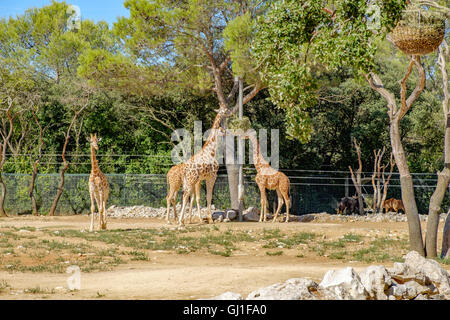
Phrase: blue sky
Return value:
(96, 10)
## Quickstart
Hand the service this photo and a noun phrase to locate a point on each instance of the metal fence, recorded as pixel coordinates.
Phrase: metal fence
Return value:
(311, 191)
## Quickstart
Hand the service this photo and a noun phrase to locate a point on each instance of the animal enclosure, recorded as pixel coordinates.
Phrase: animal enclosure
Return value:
(310, 191)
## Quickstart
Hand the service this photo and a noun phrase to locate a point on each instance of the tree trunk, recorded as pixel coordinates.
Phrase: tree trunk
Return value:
(60, 190)
(35, 167)
(357, 183)
(233, 183)
(443, 176)
(434, 212)
(66, 164)
(375, 197)
(406, 182)
(445, 253)
(2, 197)
(357, 179)
(3, 147)
(31, 190)
(386, 182)
(395, 116)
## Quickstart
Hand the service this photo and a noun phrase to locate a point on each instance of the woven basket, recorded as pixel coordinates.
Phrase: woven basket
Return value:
(419, 32)
(418, 40)
(239, 124)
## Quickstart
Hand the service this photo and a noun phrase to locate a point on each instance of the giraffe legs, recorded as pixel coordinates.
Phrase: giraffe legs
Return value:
(91, 194)
(197, 189)
(101, 209)
(103, 216)
(174, 204)
(187, 192)
(97, 201)
(287, 200)
(171, 200)
(262, 191)
(209, 191)
(280, 205)
(190, 209)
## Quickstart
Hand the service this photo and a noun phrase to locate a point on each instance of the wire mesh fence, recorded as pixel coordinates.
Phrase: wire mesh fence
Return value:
(311, 191)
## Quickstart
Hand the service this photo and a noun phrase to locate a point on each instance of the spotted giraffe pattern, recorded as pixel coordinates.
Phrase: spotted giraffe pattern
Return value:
(98, 187)
(203, 166)
(174, 179)
(271, 179)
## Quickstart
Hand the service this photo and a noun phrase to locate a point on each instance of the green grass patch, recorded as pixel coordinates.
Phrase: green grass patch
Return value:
(275, 253)
(340, 255)
(39, 290)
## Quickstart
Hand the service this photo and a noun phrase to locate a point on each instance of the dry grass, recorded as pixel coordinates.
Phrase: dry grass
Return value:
(47, 250)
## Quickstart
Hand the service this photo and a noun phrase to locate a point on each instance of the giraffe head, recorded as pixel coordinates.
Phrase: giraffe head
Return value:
(222, 113)
(93, 140)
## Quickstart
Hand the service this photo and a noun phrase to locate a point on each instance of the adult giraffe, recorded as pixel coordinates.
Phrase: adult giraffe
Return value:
(268, 178)
(174, 180)
(203, 166)
(98, 187)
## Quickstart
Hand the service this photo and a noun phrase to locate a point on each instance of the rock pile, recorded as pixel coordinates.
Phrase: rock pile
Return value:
(372, 217)
(252, 214)
(415, 279)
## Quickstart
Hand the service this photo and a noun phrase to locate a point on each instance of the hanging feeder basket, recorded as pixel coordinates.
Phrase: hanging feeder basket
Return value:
(419, 32)
(239, 124)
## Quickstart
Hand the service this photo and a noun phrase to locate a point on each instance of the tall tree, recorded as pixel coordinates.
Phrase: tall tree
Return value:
(182, 46)
(298, 39)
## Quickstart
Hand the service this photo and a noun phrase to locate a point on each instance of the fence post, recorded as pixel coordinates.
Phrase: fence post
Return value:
(346, 186)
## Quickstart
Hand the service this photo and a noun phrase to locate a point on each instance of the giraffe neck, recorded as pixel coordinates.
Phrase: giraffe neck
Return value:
(211, 143)
(94, 162)
(258, 159)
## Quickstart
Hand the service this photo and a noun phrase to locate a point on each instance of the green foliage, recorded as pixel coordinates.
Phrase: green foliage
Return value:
(238, 36)
(297, 41)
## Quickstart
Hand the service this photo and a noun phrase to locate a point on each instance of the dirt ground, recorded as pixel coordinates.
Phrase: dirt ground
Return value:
(167, 274)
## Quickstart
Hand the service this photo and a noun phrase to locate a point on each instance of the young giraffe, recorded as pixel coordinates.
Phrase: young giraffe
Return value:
(174, 181)
(268, 178)
(203, 166)
(98, 187)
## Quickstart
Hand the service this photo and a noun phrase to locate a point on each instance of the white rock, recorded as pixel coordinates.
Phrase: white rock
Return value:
(417, 264)
(251, 214)
(292, 289)
(231, 215)
(376, 281)
(227, 296)
(343, 284)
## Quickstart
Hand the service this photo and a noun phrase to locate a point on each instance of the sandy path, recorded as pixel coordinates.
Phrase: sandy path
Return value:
(180, 276)
(187, 278)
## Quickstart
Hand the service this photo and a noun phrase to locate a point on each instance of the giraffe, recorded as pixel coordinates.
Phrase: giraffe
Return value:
(174, 181)
(268, 178)
(203, 166)
(98, 187)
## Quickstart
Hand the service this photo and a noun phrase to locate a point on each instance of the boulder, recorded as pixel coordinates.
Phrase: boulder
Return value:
(411, 290)
(343, 284)
(304, 218)
(218, 215)
(250, 214)
(231, 215)
(292, 289)
(428, 269)
(227, 296)
(376, 280)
